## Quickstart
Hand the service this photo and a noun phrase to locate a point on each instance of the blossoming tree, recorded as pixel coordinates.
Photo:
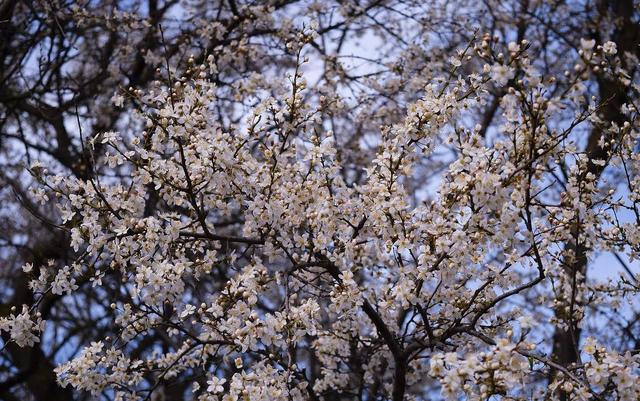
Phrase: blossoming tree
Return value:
(386, 200)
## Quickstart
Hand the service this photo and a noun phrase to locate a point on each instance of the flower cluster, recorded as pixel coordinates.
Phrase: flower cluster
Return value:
(23, 328)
